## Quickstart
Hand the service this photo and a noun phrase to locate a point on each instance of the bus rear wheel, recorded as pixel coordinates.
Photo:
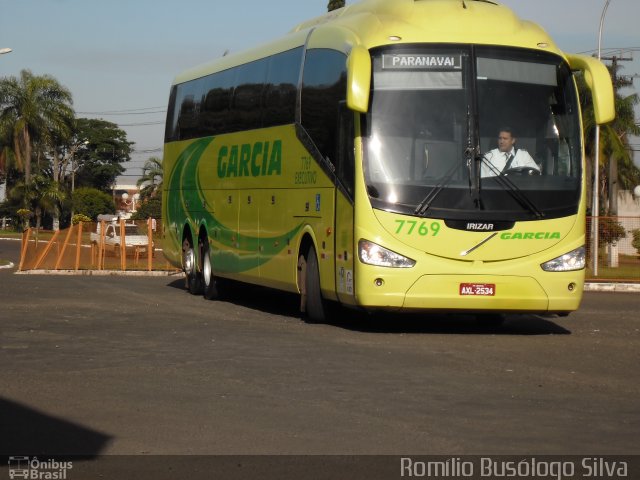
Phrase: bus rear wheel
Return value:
(312, 305)
(192, 276)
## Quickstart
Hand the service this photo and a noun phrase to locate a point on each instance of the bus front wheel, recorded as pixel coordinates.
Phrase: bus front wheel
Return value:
(311, 302)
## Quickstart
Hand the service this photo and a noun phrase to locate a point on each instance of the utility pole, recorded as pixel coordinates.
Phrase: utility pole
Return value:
(612, 182)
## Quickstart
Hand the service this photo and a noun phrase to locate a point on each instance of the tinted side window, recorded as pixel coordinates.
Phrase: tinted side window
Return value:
(258, 94)
(217, 102)
(188, 100)
(281, 88)
(345, 165)
(324, 86)
(170, 126)
(246, 110)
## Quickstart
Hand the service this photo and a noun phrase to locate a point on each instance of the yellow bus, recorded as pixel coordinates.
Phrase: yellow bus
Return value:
(407, 155)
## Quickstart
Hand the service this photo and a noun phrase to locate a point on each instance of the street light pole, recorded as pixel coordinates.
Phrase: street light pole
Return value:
(3, 184)
(596, 164)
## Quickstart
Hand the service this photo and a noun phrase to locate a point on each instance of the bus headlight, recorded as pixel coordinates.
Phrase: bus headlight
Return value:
(373, 254)
(574, 260)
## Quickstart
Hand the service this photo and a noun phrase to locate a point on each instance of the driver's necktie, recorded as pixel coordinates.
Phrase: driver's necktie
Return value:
(509, 159)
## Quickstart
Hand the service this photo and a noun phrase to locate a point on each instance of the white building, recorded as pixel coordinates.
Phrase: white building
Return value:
(126, 199)
(629, 218)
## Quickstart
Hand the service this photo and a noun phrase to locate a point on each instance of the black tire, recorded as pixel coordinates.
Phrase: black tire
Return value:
(210, 284)
(314, 307)
(189, 265)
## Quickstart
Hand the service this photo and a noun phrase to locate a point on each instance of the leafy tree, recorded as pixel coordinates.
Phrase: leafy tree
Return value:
(150, 208)
(610, 230)
(636, 239)
(33, 111)
(335, 4)
(80, 218)
(92, 202)
(152, 178)
(104, 148)
(24, 214)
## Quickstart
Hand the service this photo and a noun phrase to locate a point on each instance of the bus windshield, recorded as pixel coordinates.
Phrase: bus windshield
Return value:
(457, 133)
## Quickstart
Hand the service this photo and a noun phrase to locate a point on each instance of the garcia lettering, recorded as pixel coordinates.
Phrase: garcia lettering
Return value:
(530, 236)
(248, 160)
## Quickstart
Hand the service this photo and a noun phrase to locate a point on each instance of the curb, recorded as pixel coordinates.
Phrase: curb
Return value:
(11, 265)
(103, 273)
(612, 287)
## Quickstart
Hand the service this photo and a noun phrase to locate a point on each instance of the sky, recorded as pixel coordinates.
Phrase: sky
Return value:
(118, 57)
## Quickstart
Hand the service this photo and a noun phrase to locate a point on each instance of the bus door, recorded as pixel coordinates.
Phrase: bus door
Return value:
(344, 231)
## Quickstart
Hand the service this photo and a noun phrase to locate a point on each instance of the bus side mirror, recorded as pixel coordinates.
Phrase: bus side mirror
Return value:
(358, 79)
(599, 82)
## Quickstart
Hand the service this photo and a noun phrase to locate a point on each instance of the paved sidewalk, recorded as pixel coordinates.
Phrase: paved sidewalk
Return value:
(592, 286)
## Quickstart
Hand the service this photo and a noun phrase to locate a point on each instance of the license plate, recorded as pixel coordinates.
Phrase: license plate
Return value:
(481, 289)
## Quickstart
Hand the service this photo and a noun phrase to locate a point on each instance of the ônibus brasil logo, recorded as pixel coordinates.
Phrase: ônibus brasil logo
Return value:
(32, 468)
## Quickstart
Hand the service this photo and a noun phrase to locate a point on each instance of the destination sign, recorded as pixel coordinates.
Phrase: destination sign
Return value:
(406, 61)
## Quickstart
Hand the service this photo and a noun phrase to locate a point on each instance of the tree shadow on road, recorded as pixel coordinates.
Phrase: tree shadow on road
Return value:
(26, 431)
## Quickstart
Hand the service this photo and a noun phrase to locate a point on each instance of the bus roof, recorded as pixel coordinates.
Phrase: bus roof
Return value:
(373, 23)
(438, 21)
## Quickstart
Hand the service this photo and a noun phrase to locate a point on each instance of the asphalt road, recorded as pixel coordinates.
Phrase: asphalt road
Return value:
(121, 365)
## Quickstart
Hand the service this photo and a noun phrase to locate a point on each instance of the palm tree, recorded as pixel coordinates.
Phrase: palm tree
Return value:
(621, 170)
(615, 160)
(40, 195)
(33, 109)
(152, 177)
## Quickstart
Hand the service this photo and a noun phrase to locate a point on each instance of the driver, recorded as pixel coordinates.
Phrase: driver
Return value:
(506, 156)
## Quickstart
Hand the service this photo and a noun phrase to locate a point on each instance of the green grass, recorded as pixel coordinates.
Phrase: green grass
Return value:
(620, 273)
(628, 269)
(10, 234)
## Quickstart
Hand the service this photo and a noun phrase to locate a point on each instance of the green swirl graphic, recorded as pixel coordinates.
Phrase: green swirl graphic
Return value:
(231, 251)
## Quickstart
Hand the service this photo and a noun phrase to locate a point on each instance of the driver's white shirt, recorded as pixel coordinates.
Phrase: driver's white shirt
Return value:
(498, 160)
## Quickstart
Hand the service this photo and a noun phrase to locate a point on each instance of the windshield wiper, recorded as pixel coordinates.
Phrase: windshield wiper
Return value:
(473, 165)
(468, 158)
(518, 195)
(425, 204)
